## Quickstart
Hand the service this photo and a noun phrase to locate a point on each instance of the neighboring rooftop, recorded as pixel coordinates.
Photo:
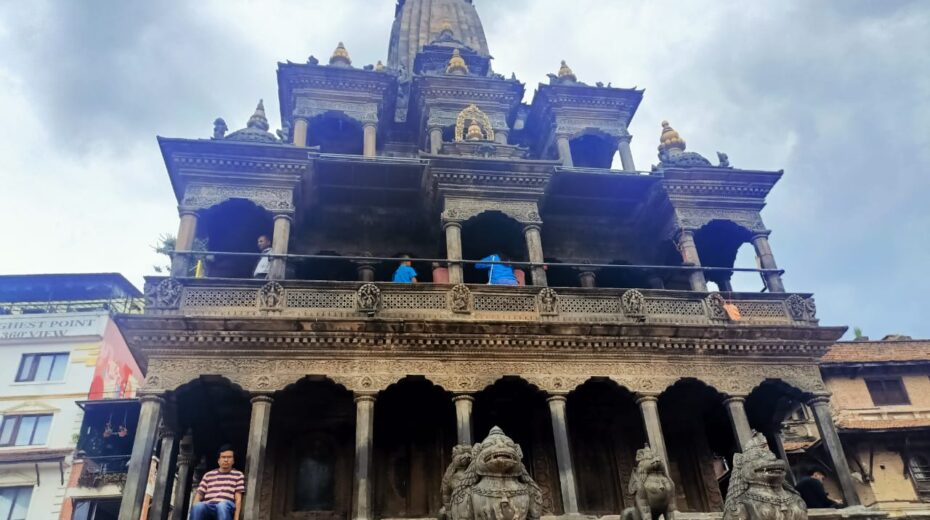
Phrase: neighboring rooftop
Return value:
(42, 293)
(884, 351)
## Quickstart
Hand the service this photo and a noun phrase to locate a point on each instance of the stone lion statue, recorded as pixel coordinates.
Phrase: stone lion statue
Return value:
(461, 459)
(758, 489)
(652, 490)
(495, 484)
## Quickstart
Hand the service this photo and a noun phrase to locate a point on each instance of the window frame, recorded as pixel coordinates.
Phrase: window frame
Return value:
(880, 394)
(18, 496)
(32, 376)
(920, 474)
(15, 432)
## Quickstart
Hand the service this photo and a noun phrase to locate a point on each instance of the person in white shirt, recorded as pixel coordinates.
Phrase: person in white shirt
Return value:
(264, 263)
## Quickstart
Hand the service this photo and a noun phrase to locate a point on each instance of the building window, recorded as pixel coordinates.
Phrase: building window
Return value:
(24, 430)
(919, 466)
(887, 391)
(14, 502)
(96, 510)
(42, 367)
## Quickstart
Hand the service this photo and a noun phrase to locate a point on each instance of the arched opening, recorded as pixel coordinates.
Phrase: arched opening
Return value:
(413, 438)
(700, 443)
(311, 452)
(605, 429)
(773, 403)
(592, 151)
(489, 233)
(234, 226)
(331, 269)
(717, 243)
(335, 133)
(522, 412)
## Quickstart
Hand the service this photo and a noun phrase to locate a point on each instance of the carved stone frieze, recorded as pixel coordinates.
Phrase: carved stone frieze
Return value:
(363, 112)
(368, 298)
(461, 209)
(696, 218)
(461, 300)
(715, 310)
(204, 196)
(801, 309)
(574, 127)
(548, 302)
(166, 294)
(633, 303)
(272, 297)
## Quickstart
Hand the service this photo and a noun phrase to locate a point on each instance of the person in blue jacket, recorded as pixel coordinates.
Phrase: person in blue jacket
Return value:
(405, 272)
(500, 274)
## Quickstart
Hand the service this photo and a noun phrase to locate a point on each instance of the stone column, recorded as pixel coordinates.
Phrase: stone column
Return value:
(767, 260)
(689, 256)
(435, 140)
(161, 494)
(370, 137)
(454, 251)
(649, 407)
(300, 131)
(463, 405)
(626, 155)
(565, 151)
(185, 458)
(366, 272)
(820, 405)
(587, 278)
(187, 231)
(736, 409)
(774, 438)
(137, 474)
(534, 248)
(279, 241)
(656, 282)
(255, 456)
(563, 454)
(724, 285)
(362, 507)
(500, 136)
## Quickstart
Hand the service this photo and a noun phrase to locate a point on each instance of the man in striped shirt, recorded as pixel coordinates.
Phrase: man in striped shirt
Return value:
(219, 496)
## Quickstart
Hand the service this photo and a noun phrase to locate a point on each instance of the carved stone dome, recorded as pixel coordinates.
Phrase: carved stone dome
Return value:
(420, 22)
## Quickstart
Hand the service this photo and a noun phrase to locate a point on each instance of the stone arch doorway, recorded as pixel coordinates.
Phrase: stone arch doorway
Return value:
(234, 226)
(491, 232)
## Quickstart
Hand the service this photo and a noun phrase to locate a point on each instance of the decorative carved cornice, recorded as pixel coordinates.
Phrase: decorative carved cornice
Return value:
(461, 210)
(203, 196)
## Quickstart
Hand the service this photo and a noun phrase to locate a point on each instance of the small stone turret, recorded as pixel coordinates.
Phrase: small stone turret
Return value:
(340, 57)
(457, 64)
(672, 150)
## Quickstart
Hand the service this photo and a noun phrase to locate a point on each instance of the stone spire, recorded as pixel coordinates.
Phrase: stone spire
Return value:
(258, 119)
(419, 22)
(340, 57)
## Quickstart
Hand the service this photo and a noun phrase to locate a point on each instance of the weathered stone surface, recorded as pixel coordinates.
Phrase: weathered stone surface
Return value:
(651, 487)
(758, 489)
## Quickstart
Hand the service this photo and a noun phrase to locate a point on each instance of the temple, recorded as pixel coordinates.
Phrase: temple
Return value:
(344, 392)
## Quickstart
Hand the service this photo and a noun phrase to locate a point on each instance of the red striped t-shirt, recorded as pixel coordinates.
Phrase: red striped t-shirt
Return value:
(217, 486)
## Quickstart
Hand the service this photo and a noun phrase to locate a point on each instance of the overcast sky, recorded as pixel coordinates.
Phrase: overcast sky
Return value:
(836, 93)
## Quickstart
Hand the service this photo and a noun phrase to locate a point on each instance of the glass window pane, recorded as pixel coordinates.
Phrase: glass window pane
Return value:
(43, 424)
(25, 369)
(7, 496)
(27, 424)
(45, 367)
(81, 511)
(6, 433)
(58, 367)
(21, 506)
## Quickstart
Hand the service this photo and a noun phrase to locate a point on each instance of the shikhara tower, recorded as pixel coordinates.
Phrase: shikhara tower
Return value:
(344, 393)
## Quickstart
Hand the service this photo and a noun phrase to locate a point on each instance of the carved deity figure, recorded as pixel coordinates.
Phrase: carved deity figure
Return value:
(495, 485)
(758, 489)
(652, 490)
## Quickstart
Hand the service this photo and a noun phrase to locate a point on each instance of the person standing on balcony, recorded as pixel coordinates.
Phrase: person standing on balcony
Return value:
(405, 272)
(219, 496)
(499, 273)
(264, 263)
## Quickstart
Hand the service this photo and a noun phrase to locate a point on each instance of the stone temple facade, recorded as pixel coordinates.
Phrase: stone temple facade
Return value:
(344, 393)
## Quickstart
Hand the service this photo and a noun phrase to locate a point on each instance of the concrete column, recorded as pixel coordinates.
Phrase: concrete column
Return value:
(736, 409)
(435, 140)
(587, 279)
(185, 459)
(689, 256)
(370, 139)
(626, 155)
(300, 131)
(137, 474)
(362, 507)
(563, 454)
(565, 151)
(649, 407)
(255, 456)
(820, 405)
(279, 241)
(534, 248)
(500, 136)
(161, 494)
(187, 231)
(463, 406)
(767, 261)
(454, 251)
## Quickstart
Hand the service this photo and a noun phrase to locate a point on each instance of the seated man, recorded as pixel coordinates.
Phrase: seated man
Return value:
(405, 272)
(219, 496)
(499, 273)
(813, 493)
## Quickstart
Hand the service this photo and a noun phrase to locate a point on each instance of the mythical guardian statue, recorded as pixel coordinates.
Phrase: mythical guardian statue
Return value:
(758, 490)
(455, 473)
(652, 490)
(495, 485)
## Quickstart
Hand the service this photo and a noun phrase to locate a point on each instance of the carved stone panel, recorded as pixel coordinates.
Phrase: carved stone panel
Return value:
(461, 209)
(204, 196)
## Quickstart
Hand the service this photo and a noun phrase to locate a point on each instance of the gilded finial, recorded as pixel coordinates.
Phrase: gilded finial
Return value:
(457, 65)
(340, 56)
(479, 127)
(566, 73)
(474, 132)
(379, 67)
(670, 140)
(446, 27)
(258, 119)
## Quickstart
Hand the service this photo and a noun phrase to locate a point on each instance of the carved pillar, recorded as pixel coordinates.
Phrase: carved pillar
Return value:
(279, 241)
(463, 406)
(187, 231)
(773, 436)
(161, 495)
(435, 140)
(364, 430)
(689, 256)
(137, 474)
(255, 456)
(369, 145)
(366, 271)
(820, 405)
(534, 248)
(626, 155)
(736, 409)
(500, 136)
(649, 407)
(454, 251)
(587, 278)
(563, 454)
(767, 260)
(185, 458)
(300, 131)
(565, 151)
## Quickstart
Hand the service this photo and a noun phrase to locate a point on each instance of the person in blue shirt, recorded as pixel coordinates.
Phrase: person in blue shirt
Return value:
(405, 272)
(499, 274)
